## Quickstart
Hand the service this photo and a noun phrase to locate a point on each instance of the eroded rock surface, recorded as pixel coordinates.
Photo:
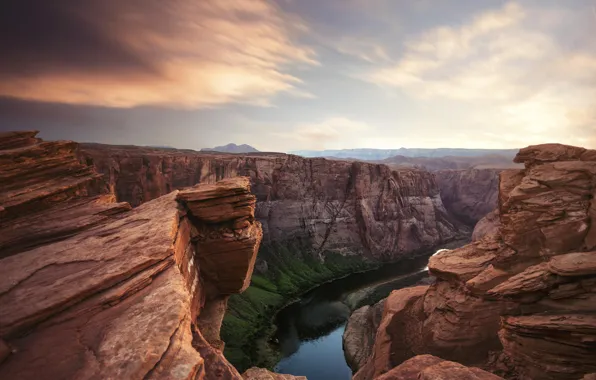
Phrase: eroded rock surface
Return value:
(263, 374)
(332, 205)
(489, 225)
(430, 367)
(394, 344)
(360, 332)
(527, 292)
(102, 291)
(46, 194)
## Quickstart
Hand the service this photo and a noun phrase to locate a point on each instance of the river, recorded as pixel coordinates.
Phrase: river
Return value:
(309, 331)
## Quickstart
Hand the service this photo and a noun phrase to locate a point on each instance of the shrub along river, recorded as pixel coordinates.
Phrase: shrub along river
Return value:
(309, 331)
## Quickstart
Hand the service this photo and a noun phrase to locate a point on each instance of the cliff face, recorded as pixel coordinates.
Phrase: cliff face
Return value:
(359, 334)
(469, 194)
(348, 207)
(91, 289)
(526, 293)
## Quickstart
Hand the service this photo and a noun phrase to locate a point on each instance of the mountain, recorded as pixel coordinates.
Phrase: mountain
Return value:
(231, 148)
(381, 154)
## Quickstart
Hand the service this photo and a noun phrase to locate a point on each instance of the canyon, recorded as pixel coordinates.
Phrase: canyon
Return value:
(350, 207)
(162, 246)
(520, 300)
(322, 219)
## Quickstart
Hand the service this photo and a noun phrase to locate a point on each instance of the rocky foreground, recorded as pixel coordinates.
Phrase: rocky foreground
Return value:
(520, 301)
(91, 289)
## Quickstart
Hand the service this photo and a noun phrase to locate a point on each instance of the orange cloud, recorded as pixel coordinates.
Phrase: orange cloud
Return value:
(196, 54)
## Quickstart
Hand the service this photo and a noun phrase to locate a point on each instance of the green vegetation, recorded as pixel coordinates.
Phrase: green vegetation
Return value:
(248, 323)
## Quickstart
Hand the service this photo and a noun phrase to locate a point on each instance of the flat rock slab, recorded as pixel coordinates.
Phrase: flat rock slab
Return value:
(574, 264)
(430, 367)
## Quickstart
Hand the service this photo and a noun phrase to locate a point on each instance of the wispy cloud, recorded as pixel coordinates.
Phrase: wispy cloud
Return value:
(190, 54)
(510, 63)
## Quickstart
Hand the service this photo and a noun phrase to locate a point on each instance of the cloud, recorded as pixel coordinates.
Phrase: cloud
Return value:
(183, 53)
(329, 133)
(362, 48)
(510, 63)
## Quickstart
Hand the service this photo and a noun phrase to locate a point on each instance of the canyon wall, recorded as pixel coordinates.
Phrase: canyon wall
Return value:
(321, 219)
(329, 205)
(520, 302)
(469, 195)
(92, 289)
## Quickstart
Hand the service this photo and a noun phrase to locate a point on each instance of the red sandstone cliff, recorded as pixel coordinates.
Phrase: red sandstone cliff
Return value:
(527, 293)
(90, 289)
(351, 207)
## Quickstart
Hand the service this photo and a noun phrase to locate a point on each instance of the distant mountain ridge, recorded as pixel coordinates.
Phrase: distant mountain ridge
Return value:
(231, 148)
(381, 154)
(494, 161)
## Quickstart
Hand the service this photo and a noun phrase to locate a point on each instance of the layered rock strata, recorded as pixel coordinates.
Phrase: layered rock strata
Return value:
(332, 205)
(102, 291)
(46, 194)
(526, 292)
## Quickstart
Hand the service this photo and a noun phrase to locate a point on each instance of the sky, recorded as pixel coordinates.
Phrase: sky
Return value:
(285, 75)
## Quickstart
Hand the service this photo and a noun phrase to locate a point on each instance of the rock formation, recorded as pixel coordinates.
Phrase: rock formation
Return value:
(360, 332)
(91, 289)
(348, 207)
(469, 194)
(489, 225)
(428, 367)
(263, 374)
(527, 292)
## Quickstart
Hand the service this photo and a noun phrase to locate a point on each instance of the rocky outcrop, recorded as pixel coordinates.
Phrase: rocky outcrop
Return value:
(263, 374)
(550, 346)
(46, 193)
(469, 194)
(489, 225)
(430, 367)
(393, 343)
(329, 205)
(359, 334)
(119, 293)
(527, 292)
